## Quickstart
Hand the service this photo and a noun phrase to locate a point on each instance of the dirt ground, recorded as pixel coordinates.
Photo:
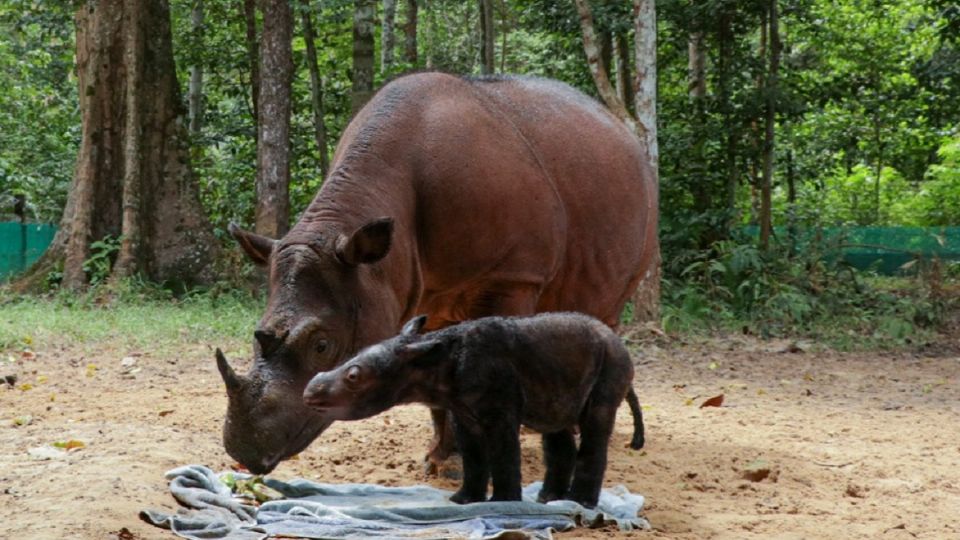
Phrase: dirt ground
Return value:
(805, 445)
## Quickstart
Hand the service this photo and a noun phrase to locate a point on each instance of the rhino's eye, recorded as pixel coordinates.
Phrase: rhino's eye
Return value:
(322, 346)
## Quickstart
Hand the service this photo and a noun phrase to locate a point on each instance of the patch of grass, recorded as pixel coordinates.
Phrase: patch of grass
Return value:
(130, 318)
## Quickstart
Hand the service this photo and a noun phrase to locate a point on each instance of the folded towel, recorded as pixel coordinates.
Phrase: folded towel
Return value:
(314, 510)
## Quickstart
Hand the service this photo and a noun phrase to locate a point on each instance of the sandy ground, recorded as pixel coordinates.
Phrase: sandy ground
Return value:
(806, 444)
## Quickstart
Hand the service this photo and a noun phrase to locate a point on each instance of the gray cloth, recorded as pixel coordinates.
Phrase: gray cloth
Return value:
(314, 510)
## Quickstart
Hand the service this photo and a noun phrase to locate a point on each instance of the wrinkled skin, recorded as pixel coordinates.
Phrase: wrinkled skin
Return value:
(455, 198)
(555, 372)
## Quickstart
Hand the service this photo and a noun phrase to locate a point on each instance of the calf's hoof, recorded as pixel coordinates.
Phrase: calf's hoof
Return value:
(465, 497)
(506, 497)
(546, 496)
(586, 500)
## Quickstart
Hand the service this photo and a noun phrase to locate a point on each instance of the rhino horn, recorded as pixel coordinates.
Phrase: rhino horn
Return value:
(230, 377)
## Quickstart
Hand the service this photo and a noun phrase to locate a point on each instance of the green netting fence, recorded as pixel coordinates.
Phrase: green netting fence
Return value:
(885, 250)
(21, 244)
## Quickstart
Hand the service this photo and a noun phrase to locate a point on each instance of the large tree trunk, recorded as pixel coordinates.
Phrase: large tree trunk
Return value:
(388, 35)
(273, 125)
(316, 89)
(253, 58)
(487, 31)
(195, 91)
(410, 34)
(133, 177)
(646, 301)
(363, 26)
(766, 217)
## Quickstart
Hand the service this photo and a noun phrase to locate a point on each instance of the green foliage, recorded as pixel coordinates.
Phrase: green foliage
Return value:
(39, 121)
(806, 292)
(102, 254)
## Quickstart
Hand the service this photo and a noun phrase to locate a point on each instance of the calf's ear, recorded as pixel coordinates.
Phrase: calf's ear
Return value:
(258, 248)
(366, 245)
(420, 351)
(414, 326)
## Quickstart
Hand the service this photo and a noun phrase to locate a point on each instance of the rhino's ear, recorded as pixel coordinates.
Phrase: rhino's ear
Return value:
(414, 326)
(366, 245)
(257, 247)
(420, 351)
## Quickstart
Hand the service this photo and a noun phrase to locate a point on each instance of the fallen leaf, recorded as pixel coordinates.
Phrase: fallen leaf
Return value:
(27, 340)
(808, 377)
(91, 370)
(41, 379)
(53, 397)
(713, 365)
(164, 413)
(26, 386)
(715, 401)
(24, 420)
(27, 354)
(688, 402)
(761, 392)
(69, 445)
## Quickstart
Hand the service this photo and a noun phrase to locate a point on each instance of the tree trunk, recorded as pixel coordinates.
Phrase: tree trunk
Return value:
(505, 25)
(766, 218)
(646, 300)
(316, 89)
(363, 16)
(624, 78)
(133, 177)
(253, 58)
(725, 37)
(195, 92)
(387, 35)
(597, 69)
(410, 34)
(273, 125)
(697, 90)
(487, 30)
(127, 259)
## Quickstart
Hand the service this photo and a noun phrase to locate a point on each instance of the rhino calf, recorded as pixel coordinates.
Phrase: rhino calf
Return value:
(553, 372)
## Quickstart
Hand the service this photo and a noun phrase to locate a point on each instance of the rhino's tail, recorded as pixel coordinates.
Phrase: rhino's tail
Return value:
(637, 442)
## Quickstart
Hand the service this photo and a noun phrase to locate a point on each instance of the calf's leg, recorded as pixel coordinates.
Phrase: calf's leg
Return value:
(596, 425)
(503, 451)
(476, 470)
(559, 455)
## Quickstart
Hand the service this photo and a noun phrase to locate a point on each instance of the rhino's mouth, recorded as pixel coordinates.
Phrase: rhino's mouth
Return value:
(307, 434)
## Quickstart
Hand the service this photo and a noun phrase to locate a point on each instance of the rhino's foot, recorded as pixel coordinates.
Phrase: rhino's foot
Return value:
(450, 467)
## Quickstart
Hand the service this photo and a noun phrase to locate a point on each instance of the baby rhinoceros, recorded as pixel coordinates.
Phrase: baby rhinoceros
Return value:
(554, 372)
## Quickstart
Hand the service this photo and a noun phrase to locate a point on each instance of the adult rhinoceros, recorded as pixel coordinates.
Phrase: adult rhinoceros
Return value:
(456, 198)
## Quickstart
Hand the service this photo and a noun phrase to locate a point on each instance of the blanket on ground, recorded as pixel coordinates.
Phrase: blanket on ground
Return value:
(314, 510)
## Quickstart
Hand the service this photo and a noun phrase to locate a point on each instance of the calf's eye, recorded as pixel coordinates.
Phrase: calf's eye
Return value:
(322, 346)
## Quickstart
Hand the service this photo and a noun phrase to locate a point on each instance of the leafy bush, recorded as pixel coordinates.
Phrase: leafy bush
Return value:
(803, 290)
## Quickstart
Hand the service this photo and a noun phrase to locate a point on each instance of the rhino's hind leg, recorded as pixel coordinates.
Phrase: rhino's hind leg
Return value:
(442, 446)
(560, 457)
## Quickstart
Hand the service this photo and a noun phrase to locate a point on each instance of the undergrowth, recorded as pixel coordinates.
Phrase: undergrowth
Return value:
(131, 314)
(804, 292)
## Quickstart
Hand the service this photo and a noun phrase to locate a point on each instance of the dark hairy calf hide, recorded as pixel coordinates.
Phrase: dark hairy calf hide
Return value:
(555, 373)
